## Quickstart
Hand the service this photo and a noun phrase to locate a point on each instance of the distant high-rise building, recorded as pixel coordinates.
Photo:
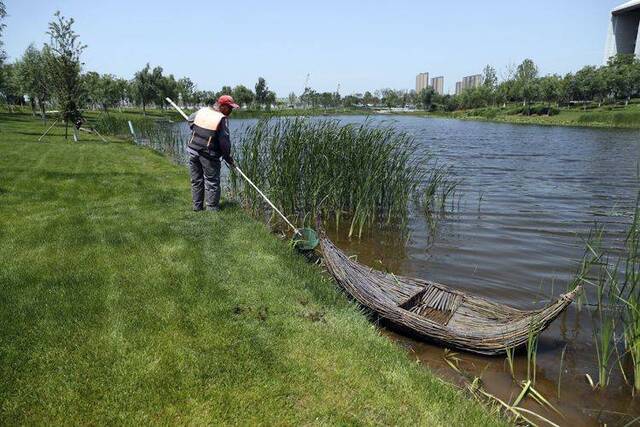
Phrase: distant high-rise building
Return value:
(422, 81)
(469, 82)
(458, 88)
(437, 83)
(624, 30)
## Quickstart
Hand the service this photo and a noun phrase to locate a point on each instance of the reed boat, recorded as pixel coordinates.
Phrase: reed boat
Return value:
(435, 312)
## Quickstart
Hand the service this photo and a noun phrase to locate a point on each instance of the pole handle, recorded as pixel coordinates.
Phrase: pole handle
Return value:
(177, 108)
(267, 200)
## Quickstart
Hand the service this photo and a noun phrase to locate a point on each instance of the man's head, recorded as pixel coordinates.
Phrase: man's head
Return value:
(226, 104)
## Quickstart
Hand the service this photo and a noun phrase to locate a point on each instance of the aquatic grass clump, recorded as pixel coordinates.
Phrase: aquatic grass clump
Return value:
(360, 173)
(630, 295)
(532, 351)
(618, 291)
(164, 138)
(118, 125)
(159, 135)
(440, 187)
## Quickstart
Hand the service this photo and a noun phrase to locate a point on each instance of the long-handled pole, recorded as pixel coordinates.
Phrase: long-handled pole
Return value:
(244, 176)
(267, 200)
(47, 131)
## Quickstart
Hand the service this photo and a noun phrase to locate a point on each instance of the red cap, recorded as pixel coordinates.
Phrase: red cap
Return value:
(227, 100)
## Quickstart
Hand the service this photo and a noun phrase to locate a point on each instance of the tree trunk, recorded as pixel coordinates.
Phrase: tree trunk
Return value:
(144, 111)
(66, 129)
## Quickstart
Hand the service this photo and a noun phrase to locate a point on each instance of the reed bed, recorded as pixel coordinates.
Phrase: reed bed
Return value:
(159, 135)
(617, 287)
(118, 125)
(358, 174)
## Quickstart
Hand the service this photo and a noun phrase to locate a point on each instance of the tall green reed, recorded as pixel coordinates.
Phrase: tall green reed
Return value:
(618, 297)
(532, 351)
(630, 295)
(358, 174)
(160, 135)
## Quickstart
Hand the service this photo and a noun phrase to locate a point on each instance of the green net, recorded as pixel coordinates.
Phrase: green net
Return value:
(307, 239)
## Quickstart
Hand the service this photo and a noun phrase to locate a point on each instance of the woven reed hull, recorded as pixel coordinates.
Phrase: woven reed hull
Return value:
(436, 312)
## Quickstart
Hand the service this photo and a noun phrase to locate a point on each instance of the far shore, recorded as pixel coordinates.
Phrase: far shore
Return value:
(608, 117)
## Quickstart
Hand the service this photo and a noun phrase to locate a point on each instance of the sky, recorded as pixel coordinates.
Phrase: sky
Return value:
(359, 45)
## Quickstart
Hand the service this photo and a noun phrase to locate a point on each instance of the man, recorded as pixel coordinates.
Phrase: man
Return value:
(208, 143)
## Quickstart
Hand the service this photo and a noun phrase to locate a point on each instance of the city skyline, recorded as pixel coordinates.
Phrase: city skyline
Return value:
(279, 45)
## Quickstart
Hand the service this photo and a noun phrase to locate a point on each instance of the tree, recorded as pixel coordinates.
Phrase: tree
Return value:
(326, 99)
(568, 89)
(186, 89)
(91, 83)
(623, 75)
(9, 88)
(124, 90)
(390, 97)
(3, 14)
(489, 84)
(226, 90)
(33, 78)
(144, 86)
(262, 91)
(309, 97)
(601, 84)
(293, 99)
(369, 99)
(550, 87)
(489, 77)
(104, 90)
(243, 95)
(62, 57)
(587, 83)
(5, 73)
(425, 97)
(352, 100)
(166, 87)
(270, 99)
(526, 84)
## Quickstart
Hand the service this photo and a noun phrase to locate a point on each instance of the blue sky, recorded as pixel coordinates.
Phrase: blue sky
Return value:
(361, 45)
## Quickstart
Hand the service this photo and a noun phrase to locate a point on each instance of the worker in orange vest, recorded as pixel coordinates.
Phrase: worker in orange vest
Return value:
(210, 141)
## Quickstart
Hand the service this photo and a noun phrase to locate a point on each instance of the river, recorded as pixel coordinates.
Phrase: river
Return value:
(529, 195)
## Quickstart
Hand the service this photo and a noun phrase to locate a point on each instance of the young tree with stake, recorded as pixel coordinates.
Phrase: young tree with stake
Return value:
(62, 57)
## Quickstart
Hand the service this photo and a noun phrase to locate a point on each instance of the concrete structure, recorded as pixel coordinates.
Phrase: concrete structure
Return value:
(437, 83)
(458, 88)
(422, 81)
(624, 36)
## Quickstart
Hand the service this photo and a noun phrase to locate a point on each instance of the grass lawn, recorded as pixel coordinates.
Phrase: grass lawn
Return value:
(120, 305)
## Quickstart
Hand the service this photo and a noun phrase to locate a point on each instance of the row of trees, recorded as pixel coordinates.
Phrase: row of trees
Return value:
(617, 81)
(52, 75)
(32, 76)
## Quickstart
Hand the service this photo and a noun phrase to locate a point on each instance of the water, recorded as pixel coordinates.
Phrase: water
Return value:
(529, 194)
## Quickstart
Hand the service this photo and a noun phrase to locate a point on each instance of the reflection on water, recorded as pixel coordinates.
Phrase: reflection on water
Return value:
(528, 194)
